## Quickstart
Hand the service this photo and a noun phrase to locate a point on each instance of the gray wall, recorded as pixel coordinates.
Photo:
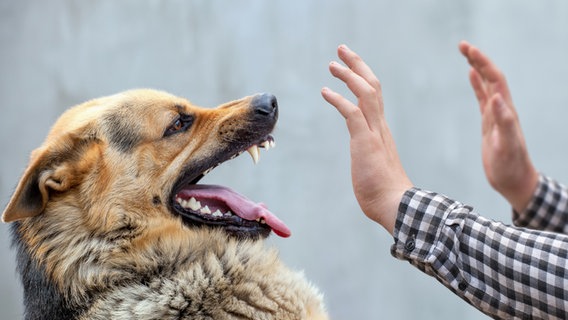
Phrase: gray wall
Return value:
(54, 54)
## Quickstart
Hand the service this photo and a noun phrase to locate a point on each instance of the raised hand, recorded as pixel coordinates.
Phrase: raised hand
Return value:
(379, 180)
(506, 160)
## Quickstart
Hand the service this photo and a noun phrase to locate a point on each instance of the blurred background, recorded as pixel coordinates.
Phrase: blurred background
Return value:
(55, 54)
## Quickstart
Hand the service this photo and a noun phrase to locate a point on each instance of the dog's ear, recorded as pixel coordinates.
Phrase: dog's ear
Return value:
(29, 199)
(31, 194)
(50, 170)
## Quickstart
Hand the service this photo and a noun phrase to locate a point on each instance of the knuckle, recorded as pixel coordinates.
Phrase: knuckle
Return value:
(353, 112)
(369, 91)
(375, 83)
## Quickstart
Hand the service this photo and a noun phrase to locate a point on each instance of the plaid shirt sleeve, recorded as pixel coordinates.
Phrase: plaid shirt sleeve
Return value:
(504, 271)
(548, 209)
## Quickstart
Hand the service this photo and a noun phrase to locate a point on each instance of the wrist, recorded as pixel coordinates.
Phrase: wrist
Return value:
(520, 197)
(384, 210)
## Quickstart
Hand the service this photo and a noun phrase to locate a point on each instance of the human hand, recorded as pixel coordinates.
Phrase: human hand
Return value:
(506, 160)
(378, 178)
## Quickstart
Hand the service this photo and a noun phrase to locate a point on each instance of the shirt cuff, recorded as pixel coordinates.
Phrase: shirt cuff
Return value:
(522, 219)
(547, 208)
(421, 216)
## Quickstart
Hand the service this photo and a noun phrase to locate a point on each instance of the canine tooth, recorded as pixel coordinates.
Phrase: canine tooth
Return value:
(217, 213)
(206, 210)
(265, 145)
(254, 153)
(194, 204)
(262, 221)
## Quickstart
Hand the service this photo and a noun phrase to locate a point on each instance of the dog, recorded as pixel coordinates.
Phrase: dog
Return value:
(109, 221)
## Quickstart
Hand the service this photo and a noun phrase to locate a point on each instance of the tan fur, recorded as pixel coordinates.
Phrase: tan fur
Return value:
(91, 212)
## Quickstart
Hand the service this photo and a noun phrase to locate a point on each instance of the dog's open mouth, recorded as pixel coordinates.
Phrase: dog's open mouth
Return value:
(219, 206)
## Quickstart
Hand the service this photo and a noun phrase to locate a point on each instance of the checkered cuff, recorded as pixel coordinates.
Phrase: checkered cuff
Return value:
(422, 238)
(548, 209)
(418, 225)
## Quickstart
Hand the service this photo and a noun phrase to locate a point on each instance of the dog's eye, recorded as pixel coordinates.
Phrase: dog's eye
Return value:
(180, 124)
(177, 125)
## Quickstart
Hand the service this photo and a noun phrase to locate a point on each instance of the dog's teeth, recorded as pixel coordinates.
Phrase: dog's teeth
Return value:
(206, 210)
(228, 213)
(265, 145)
(272, 144)
(254, 153)
(262, 221)
(194, 204)
(183, 203)
(217, 213)
(207, 171)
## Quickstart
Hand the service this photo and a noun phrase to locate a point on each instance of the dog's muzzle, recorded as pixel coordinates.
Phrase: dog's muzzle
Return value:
(218, 206)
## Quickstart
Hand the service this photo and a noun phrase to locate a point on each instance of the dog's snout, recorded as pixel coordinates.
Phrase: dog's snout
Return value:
(265, 104)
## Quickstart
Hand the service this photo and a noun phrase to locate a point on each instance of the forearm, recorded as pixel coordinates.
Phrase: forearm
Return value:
(503, 271)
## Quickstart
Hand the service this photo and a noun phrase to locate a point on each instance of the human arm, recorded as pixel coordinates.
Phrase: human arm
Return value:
(504, 271)
(538, 202)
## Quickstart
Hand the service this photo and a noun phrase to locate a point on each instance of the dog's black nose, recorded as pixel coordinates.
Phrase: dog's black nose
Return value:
(265, 104)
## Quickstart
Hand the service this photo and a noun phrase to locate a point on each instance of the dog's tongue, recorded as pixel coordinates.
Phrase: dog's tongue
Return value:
(239, 204)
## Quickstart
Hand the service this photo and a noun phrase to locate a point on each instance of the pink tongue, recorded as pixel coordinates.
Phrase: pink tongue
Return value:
(238, 204)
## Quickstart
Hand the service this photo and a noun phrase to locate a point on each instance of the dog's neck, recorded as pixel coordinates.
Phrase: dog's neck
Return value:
(42, 297)
(66, 273)
(69, 266)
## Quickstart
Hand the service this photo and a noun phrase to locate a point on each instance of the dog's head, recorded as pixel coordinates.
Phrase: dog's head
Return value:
(138, 156)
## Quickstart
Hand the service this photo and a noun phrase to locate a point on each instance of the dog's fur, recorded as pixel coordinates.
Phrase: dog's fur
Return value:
(97, 235)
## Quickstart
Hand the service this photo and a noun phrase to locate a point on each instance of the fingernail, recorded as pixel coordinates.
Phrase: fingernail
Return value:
(325, 92)
(343, 47)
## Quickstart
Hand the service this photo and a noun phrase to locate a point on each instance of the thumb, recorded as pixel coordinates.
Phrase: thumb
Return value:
(503, 116)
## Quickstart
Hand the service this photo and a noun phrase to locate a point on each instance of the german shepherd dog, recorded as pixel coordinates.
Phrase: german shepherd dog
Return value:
(109, 222)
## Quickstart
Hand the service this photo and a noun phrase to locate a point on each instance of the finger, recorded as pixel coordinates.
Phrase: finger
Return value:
(478, 88)
(356, 122)
(493, 77)
(480, 62)
(486, 68)
(368, 98)
(372, 112)
(355, 63)
(465, 48)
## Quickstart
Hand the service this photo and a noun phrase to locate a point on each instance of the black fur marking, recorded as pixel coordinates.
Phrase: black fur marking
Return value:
(42, 300)
(124, 136)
